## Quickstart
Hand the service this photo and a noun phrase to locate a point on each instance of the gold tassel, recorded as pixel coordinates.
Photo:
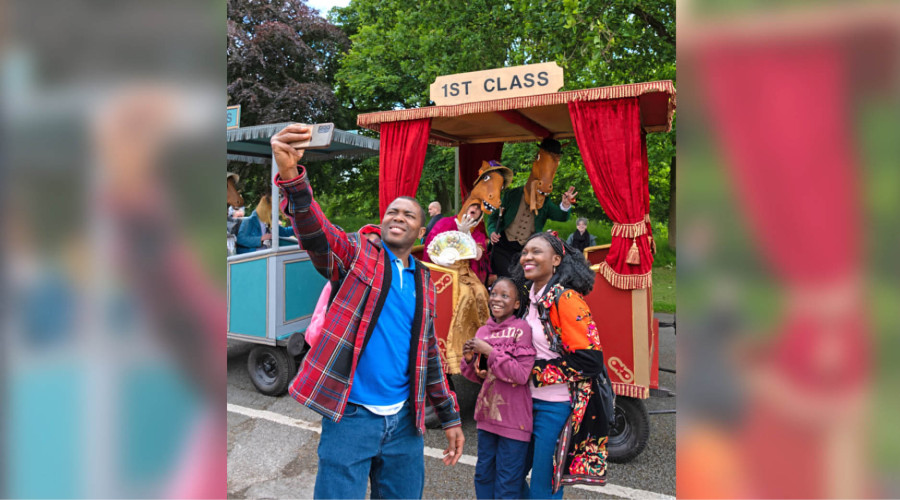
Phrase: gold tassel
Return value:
(634, 256)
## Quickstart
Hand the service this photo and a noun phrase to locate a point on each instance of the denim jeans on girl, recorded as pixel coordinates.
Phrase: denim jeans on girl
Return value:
(363, 446)
(501, 466)
(549, 419)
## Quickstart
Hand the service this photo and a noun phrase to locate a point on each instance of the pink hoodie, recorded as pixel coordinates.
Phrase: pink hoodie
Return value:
(504, 403)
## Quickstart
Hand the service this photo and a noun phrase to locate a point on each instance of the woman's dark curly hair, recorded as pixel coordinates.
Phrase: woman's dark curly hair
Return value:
(521, 296)
(573, 271)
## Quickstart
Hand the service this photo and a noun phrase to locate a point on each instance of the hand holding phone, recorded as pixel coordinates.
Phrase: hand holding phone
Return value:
(286, 157)
(321, 136)
(482, 362)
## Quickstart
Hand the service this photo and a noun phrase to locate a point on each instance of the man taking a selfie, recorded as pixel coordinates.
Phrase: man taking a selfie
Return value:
(377, 359)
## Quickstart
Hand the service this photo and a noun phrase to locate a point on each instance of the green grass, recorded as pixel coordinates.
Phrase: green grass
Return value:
(664, 289)
(600, 229)
(663, 262)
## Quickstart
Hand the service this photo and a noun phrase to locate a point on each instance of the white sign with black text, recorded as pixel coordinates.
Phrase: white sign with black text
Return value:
(500, 83)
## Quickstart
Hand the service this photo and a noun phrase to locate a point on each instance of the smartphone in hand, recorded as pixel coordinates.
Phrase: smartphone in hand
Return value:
(322, 133)
(482, 362)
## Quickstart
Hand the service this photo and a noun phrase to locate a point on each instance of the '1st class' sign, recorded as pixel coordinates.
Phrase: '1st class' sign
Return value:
(517, 81)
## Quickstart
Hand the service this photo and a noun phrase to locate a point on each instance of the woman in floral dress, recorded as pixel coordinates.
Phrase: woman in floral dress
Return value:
(569, 421)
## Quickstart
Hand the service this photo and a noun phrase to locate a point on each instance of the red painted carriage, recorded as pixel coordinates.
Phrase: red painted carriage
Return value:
(609, 125)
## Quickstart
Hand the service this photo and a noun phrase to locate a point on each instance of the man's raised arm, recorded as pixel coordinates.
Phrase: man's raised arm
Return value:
(329, 249)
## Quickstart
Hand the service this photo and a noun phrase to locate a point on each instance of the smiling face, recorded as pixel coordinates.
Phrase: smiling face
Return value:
(538, 260)
(582, 226)
(402, 224)
(503, 300)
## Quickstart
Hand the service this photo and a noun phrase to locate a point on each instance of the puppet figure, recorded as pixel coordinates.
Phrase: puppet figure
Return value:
(523, 210)
(459, 243)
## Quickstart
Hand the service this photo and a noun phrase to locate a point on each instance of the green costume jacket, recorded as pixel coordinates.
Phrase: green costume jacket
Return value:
(509, 203)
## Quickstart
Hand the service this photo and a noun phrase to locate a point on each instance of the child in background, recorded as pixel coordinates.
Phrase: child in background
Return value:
(503, 410)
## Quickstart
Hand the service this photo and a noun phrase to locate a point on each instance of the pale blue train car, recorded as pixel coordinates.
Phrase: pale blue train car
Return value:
(272, 292)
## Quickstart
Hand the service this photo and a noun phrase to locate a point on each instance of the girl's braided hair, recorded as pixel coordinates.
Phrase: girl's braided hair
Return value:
(573, 271)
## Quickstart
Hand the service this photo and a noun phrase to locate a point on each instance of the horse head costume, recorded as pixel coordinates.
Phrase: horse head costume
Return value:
(540, 182)
(492, 178)
(232, 195)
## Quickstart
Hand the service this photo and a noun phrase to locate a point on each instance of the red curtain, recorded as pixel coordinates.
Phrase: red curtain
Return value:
(786, 135)
(401, 157)
(783, 117)
(612, 145)
(470, 158)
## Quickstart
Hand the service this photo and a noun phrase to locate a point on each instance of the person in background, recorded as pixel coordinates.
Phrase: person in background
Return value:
(434, 210)
(255, 230)
(377, 360)
(581, 238)
(523, 210)
(470, 310)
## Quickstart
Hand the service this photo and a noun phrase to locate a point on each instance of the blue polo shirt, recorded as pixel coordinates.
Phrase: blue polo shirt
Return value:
(382, 374)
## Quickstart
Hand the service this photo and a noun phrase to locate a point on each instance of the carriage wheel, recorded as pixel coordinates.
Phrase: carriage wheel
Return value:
(270, 369)
(629, 434)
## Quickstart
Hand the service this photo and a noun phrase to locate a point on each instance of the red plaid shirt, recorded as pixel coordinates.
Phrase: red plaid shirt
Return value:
(323, 383)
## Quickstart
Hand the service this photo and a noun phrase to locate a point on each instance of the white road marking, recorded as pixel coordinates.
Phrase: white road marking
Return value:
(623, 491)
(439, 454)
(609, 489)
(278, 418)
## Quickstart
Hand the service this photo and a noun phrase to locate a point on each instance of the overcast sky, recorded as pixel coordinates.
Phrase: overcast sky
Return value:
(324, 6)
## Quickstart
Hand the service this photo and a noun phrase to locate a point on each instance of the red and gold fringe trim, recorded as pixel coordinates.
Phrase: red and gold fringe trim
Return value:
(435, 142)
(631, 390)
(626, 281)
(372, 120)
(629, 230)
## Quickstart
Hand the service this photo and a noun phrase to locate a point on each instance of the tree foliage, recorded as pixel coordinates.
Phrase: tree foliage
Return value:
(282, 59)
(285, 63)
(399, 48)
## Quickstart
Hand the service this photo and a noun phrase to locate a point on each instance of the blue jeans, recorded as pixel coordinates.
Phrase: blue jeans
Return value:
(387, 450)
(549, 419)
(501, 466)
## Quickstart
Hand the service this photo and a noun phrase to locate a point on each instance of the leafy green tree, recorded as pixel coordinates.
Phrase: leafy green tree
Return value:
(399, 48)
(282, 59)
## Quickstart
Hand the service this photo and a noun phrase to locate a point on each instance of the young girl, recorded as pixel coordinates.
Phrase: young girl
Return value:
(503, 410)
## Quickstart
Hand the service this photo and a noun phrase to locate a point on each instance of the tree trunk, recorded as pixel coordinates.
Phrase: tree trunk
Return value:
(672, 205)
